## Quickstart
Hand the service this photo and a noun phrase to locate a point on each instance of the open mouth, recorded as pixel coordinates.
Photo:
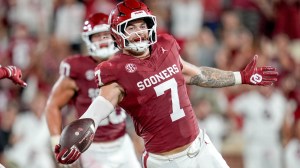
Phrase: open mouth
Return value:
(105, 45)
(139, 39)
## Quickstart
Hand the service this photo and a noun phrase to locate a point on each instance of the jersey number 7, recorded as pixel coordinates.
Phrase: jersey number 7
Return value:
(160, 89)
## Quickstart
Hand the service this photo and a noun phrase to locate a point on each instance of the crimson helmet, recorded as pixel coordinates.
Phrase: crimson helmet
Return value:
(97, 23)
(125, 12)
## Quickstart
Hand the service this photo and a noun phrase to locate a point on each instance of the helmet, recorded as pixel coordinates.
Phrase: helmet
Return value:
(97, 23)
(127, 11)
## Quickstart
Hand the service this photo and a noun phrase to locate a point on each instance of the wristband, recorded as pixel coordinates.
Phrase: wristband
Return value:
(238, 78)
(54, 141)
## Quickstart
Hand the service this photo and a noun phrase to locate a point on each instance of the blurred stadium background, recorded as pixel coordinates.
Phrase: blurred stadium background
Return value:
(36, 35)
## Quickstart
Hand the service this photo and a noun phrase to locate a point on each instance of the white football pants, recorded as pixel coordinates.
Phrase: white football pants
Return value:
(200, 154)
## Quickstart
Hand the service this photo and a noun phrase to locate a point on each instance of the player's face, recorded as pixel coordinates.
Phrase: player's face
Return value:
(101, 36)
(137, 31)
(101, 39)
(102, 45)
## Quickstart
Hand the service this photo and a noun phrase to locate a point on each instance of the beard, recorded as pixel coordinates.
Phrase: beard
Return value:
(135, 53)
(137, 48)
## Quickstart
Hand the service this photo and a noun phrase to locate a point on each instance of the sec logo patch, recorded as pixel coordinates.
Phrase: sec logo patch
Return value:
(131, 68)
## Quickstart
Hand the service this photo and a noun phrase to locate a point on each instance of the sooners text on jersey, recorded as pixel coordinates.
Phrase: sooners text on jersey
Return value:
(155, 95)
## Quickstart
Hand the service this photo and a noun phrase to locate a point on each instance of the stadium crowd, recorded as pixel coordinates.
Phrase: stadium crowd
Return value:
(251, 126)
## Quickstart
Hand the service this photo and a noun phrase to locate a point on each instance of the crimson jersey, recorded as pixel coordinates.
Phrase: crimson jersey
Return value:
(155, 95)
(81, 70)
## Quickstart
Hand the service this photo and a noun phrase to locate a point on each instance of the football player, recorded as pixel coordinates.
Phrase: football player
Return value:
(13, 73)
(263, 110)
(112, 147)
(148, 79)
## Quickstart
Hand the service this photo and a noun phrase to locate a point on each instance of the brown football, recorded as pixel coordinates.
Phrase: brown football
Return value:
(79, 134)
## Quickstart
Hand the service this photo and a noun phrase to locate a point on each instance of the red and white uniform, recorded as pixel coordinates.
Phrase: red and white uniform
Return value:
(154, 92)
(111, 130)
(156, 98)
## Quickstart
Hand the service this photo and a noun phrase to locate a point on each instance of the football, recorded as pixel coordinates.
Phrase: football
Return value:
(79, 134)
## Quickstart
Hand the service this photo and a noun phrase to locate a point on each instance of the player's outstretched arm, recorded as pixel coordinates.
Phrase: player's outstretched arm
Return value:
(13, 73)
(216, 78)
(104, 104)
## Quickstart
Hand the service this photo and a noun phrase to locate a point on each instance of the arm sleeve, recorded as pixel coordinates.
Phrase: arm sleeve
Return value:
(98, 110)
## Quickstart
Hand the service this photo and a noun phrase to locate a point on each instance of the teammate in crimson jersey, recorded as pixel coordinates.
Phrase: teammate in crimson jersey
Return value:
(76, 85)
(148, 79)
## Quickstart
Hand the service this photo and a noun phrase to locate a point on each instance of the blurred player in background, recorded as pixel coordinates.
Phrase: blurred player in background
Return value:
(112, 147)
(148, 79)
(263, 111)
(292, 150)
(13, 73)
